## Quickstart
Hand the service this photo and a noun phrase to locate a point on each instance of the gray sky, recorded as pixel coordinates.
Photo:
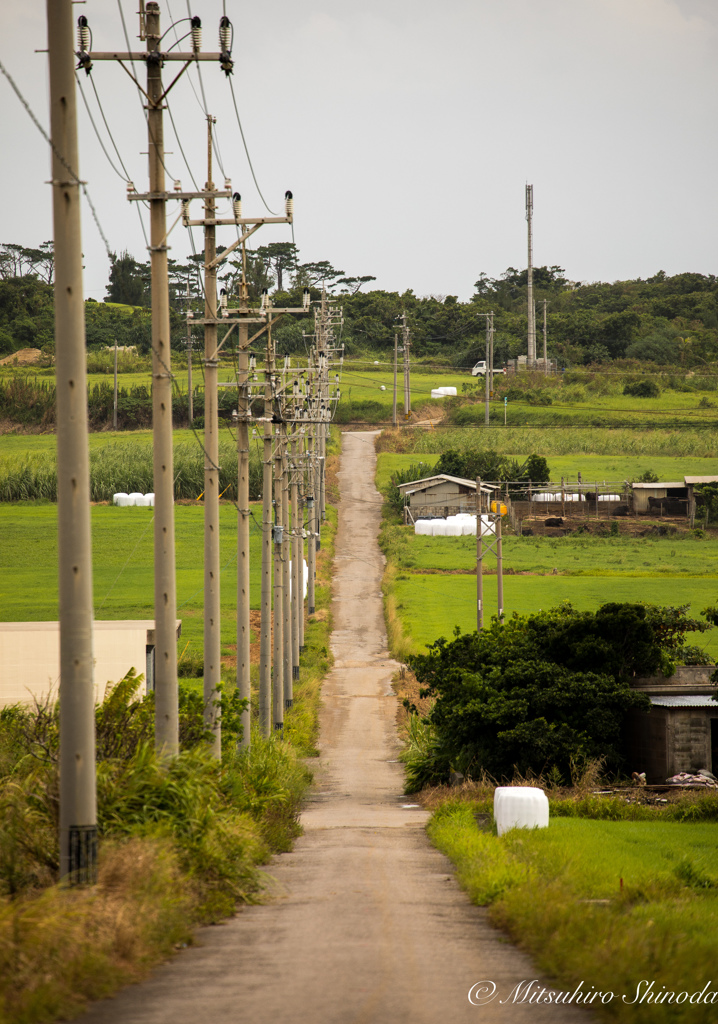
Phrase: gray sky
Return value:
(407, 131)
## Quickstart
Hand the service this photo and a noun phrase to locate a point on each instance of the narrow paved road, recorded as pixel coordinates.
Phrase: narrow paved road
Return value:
(371, 927)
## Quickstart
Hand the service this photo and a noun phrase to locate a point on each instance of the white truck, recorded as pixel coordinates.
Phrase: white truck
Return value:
(479, 369)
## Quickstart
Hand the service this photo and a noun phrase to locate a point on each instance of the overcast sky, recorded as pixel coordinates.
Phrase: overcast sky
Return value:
(407, 131)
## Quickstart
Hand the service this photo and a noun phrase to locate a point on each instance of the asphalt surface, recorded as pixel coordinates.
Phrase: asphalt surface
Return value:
(369, 925)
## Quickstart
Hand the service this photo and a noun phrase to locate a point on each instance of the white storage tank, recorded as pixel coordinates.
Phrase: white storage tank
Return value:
(520, 807)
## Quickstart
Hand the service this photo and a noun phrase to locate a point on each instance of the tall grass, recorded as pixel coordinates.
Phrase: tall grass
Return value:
(127, 467)
(180, 844)
(548, 441)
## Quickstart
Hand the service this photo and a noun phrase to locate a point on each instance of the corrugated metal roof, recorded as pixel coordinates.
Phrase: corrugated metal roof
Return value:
(659, 485)
(433, 481)
(701, 479)
(686, 700)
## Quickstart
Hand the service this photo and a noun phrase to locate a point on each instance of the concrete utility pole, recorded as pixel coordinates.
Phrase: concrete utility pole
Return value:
(499, 567)
(297, 556)
(545, 359)
(479, 562)
(407, 377)
(485, 543)
(78, 800)
(190, 396)
(212, 614)
(278, 618)
(243, 516)
(287, 634)
(487, 381)
(166, 695)
(114, 398)
(491, 352)
(393, 408)
(530, 289)
(265, 654)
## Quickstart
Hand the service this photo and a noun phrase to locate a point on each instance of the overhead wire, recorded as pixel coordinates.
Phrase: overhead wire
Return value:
(246, 150)
(126, 176)
(59, 156)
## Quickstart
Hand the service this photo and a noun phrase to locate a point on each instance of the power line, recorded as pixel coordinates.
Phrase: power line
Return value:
(246, 150)
(123, 177)
(104, 150)
(59, 156)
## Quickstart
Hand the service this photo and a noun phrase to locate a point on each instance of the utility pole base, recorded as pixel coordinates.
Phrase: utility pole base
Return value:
(295, 671)
(82, 842)
(279, 727)
(288, 704)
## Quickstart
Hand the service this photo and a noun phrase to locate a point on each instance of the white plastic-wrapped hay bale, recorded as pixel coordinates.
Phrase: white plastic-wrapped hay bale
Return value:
(422, 528)
(135, 498)
(468, 526)
(121, 499)
(520, 807)
(452, 528)
(150, 500)
(142, 501)
(438, 527)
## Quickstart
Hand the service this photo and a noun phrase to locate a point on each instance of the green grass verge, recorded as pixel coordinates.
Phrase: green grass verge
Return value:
(611, 904)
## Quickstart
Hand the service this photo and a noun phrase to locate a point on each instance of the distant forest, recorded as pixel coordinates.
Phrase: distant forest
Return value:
(669, 321)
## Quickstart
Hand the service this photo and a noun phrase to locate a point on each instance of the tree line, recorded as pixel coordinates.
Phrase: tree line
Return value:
(665, 320)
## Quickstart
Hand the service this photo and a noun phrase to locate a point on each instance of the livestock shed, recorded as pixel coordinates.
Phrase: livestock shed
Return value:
(443, 495)
(666, 498)
(30, 657)
(691, 483)
(680, 733)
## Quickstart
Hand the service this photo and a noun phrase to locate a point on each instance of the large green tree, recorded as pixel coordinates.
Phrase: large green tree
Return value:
(129, 281)
(543, 691)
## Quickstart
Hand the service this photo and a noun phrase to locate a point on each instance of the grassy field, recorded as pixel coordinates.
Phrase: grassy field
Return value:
(430, 606)
(677, 556)
(574, 441)
(591, 467)
(122, 545)
(606, 903)
(672, 408)
(30, 445)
